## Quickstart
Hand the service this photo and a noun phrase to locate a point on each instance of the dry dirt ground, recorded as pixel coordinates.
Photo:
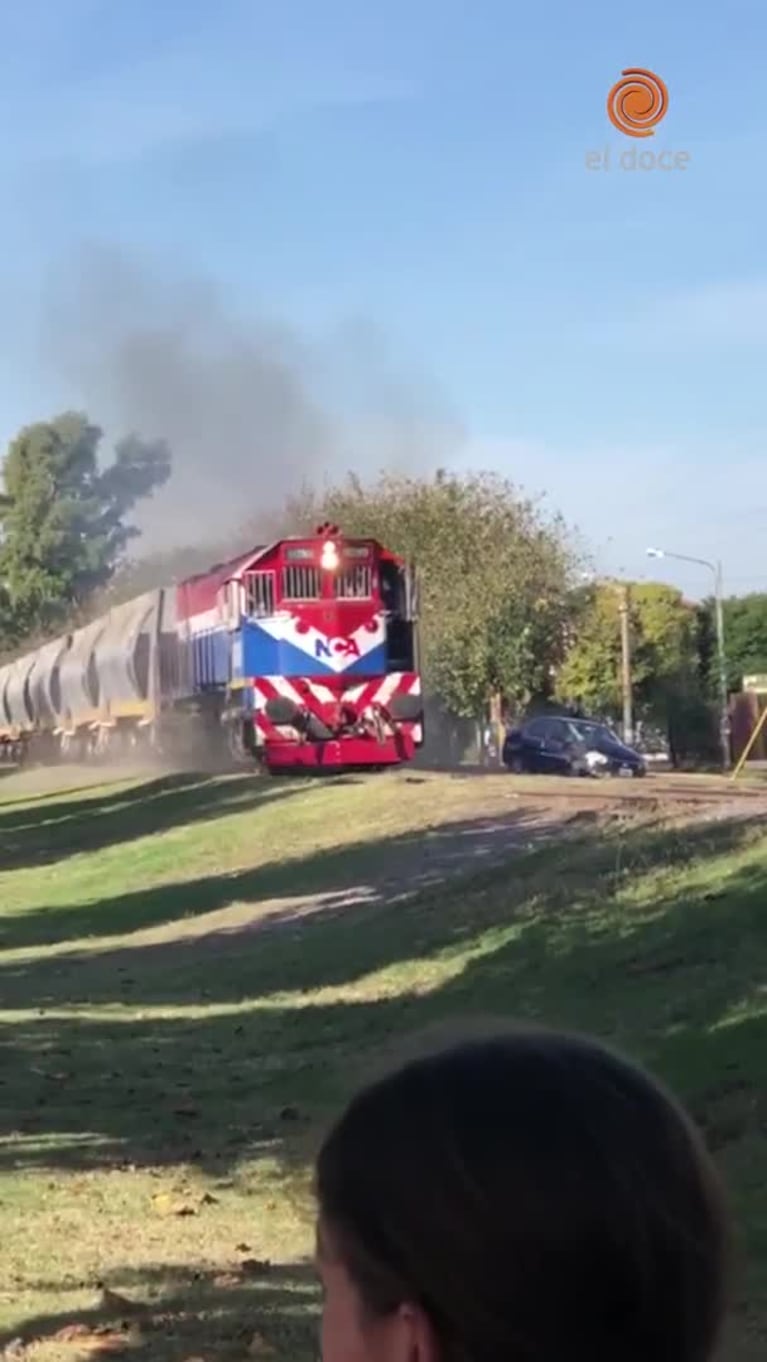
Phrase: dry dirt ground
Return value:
(438, 854)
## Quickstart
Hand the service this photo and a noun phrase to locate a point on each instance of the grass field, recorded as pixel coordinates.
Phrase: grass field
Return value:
(195, 972)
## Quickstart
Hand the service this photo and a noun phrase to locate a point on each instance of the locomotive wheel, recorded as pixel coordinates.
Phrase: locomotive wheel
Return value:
(240, 741)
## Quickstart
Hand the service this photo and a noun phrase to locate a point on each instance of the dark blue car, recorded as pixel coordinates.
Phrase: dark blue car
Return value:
(559, 745)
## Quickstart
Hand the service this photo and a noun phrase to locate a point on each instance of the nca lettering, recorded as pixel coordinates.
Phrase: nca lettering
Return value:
(336, 647)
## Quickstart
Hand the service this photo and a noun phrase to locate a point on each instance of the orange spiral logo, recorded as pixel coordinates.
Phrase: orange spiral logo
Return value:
(637, 102)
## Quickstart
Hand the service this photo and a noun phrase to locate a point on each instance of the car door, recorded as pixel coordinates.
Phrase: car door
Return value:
(557, 754)
(534, 745)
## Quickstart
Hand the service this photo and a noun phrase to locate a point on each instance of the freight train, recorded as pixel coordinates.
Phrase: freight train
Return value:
(301, 654)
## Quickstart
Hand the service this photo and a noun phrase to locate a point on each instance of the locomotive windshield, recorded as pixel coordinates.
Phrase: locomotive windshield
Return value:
(308, 573)
(314, 572)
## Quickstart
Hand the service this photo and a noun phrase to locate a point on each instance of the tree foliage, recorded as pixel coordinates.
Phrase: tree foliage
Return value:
(494, 576)
(63, 519)
(664, 660)
(590, 672)
(745, 639)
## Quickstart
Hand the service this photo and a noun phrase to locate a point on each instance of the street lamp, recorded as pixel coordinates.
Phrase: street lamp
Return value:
(716, 569)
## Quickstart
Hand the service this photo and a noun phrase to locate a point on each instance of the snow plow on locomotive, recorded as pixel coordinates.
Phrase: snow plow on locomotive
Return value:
(302, 654)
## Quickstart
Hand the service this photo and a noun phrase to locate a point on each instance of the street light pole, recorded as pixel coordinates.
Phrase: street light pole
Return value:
(724, 708)
(626, 684)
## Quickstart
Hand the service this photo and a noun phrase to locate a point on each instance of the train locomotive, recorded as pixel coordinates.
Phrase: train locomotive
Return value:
(301, 654)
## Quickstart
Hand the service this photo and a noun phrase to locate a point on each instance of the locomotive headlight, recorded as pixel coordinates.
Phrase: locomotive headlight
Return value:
(329, 559)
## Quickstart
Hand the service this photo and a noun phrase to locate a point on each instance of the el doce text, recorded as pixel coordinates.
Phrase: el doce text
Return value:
(635, 159)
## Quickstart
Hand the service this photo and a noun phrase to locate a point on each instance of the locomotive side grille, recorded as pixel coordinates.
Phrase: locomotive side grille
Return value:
(355, 583)
(301, 583)
(259, 593)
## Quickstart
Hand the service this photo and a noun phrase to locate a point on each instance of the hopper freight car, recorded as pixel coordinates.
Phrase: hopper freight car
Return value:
(299, 654)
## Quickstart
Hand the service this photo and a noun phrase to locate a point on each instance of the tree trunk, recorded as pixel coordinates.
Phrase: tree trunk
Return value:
(496, 723)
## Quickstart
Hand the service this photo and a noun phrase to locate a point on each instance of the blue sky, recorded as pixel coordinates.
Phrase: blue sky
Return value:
(414, 172)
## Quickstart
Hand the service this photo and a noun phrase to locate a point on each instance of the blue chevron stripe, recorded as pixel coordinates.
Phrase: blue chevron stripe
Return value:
(262, 655)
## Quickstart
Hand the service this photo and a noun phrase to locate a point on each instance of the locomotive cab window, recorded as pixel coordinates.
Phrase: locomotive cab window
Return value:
(393, 593)
(301, 583)
(399, 629)
(354, 582)
(259, 594)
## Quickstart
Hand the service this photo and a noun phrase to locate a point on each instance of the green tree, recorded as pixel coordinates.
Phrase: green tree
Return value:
(663, 635)
(665, 659)
(745, 637)
(494, 576)
(589, 675)
(63, 519)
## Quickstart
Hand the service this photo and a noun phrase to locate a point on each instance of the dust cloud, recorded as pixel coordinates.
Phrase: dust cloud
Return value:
(251, 408)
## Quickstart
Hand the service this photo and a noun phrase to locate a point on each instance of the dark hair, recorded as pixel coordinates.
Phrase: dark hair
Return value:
(540, 1198)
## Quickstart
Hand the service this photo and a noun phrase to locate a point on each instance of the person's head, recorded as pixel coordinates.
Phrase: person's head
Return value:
(528, 1198)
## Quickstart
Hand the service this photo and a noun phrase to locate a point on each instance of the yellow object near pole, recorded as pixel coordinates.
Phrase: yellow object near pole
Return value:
(746, 750)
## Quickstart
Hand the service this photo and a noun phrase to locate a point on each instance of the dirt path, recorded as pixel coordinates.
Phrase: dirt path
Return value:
(499, 817)
(450, 849)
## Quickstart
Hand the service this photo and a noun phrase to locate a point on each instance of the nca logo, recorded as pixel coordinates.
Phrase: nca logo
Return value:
(338, 647)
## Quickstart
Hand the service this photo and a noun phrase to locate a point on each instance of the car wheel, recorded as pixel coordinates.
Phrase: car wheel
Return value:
(516, 765)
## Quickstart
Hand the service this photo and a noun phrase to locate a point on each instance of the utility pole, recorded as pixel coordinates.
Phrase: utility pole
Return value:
(724, 705)
(628, 716)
